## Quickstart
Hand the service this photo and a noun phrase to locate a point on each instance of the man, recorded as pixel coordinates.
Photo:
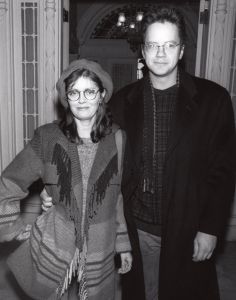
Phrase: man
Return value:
(179, 172)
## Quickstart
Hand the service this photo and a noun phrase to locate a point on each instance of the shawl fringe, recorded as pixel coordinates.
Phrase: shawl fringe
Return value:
(101, 185)
(62, 160)
(76, 269)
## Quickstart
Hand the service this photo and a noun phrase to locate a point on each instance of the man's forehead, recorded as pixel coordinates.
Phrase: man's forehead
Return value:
(163, 31)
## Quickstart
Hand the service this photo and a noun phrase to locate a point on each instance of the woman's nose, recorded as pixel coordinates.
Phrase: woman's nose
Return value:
(82, 98)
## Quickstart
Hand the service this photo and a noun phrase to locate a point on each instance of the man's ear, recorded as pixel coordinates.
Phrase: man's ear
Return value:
(142, 51)
(181, 52)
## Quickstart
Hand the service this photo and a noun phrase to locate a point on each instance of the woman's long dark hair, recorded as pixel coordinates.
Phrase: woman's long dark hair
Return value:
(103, 121)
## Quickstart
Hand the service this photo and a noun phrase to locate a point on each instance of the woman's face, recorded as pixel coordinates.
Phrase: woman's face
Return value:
(84, 98)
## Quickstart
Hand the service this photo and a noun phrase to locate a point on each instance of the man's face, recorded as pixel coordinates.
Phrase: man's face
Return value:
(162, 61)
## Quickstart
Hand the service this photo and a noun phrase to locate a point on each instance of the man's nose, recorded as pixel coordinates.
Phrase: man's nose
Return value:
(160, 50)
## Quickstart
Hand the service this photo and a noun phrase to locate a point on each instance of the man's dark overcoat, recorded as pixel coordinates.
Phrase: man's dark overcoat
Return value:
(198, 185)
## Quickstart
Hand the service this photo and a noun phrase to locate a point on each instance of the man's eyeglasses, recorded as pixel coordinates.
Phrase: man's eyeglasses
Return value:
(89, 94)
(166, 47)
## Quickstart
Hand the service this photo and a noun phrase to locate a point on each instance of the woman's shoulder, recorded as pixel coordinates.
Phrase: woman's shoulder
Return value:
(52, 127)
(49, 132)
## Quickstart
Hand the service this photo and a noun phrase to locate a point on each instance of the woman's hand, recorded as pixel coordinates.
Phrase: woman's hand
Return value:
(126, 262)
(47, 200)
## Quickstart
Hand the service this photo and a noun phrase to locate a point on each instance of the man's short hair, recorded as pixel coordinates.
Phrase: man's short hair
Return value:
(165, 14)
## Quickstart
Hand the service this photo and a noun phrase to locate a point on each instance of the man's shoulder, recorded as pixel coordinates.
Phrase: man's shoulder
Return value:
(208, 86)
(210, 94)
(122, 101)
(129, 88)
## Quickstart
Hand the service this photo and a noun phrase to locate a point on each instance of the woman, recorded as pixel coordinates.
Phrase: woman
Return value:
(70, 250)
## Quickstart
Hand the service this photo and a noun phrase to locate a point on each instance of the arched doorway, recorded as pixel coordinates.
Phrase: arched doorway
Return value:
(95, 35)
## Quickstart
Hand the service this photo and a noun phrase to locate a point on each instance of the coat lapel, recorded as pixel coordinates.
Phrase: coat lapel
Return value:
(186, 109)
(76, 173)
(65, 157)
(134, 120)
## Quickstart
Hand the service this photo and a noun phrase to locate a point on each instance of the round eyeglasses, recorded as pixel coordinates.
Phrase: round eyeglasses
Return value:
(89, 94)
(167, 47)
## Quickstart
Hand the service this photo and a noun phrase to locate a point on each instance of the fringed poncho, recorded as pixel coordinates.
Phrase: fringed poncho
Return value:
(51, 157)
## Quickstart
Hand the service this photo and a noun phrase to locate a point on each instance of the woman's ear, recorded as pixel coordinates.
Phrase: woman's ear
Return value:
(103, 93)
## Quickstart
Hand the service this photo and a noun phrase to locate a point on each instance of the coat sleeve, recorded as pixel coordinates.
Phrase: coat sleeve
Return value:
(116, 105)
(221, 166)
(122, 237)
(15, 180)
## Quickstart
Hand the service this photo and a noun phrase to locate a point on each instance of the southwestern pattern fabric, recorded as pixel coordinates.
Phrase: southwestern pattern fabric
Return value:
(51, 157)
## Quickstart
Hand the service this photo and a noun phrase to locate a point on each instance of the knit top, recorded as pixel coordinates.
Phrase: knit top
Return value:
(87, 151)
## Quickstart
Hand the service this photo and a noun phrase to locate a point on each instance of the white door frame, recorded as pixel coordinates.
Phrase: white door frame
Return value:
(219, 43)
(49, 16)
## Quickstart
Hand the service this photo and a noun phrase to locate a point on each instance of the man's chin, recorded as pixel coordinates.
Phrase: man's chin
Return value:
(159, 73)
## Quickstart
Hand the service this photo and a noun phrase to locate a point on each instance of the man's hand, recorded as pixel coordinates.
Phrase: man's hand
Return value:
(47, 200)
(204, 245)
(126, 262)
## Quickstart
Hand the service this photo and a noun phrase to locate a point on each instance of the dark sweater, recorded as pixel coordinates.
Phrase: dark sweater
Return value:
(147, 207)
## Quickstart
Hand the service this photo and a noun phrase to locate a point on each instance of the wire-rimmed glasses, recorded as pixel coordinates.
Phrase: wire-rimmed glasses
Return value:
(167, 47)
(89, 94)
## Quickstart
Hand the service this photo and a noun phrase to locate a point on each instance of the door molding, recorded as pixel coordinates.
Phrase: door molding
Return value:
(48, 69)
(7, 137)
(219, 50)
